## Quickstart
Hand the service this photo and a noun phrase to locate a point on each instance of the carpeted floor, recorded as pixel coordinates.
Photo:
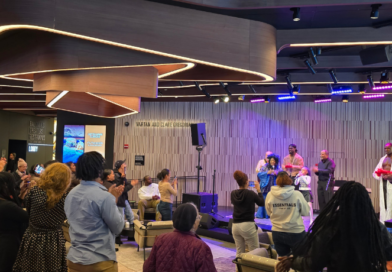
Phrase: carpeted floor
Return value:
(225, 264)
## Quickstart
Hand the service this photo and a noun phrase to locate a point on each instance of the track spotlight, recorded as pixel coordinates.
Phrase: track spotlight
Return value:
(226, 99)
(330, 88)
(319, 51)
(181, 84)
(296, 89)
(241, 97)
(374, 14)
(345, 99)
(362, 88)
(198, 86)
(226, 88)
(266, 99)
(290, 86)
(370, 80)
(204, 91)
(384, 79)
(296, 14)
(333, 76)
(160, 93)
(312, 56)
(251, 89)
(310, 68)
(216, 101)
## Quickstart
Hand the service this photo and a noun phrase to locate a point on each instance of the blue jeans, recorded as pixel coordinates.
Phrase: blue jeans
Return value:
(285, 242)
(261, 211)
(128, 212)
(165, 209)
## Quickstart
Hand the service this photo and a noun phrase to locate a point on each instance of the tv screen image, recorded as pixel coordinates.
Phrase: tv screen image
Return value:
(73, 143)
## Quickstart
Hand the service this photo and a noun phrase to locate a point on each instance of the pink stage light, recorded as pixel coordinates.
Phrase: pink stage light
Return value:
(373, 96)
(257, 100)
(323, 100)
(385, 87)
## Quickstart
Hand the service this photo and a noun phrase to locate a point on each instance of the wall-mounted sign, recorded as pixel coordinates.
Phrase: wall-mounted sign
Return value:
(33, 148)
(162, 124)
(126, 146)
(139, 160)
(37, 132)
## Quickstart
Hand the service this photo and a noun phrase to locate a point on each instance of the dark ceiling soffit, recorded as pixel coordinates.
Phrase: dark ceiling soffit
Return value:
(264, 4)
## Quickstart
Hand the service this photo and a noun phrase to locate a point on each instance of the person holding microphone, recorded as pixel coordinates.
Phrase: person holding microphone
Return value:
(244, 200)
(168, 192)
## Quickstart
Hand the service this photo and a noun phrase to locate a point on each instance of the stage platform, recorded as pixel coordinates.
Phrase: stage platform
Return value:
(224, 214)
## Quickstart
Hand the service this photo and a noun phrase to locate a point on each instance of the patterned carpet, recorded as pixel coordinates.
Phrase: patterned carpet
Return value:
(224, 264)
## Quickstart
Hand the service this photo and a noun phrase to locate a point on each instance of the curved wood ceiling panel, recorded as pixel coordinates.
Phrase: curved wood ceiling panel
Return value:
(179, 33)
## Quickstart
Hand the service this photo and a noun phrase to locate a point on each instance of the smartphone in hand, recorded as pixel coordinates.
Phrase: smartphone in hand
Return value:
(251, 184)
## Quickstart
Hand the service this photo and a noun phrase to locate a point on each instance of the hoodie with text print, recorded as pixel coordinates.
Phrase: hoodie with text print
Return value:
(285, 206)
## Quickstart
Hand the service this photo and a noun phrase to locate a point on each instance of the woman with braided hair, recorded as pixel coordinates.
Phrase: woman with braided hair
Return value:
(345, 237)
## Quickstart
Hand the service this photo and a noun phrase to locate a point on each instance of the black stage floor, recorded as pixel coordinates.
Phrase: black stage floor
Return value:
(224, 214)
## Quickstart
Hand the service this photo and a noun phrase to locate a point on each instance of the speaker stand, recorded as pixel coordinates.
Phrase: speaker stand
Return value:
(213, 196)
(199, 149)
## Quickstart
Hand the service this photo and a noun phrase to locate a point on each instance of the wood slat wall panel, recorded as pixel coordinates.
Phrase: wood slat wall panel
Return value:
(238, 135)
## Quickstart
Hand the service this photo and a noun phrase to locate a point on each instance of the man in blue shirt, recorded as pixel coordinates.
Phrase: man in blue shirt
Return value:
(93, 217)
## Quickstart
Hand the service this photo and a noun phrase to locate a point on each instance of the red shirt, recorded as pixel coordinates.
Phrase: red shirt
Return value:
(179, 251)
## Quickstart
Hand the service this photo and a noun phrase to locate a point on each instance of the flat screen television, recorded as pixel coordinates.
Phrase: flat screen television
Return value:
(73, 143)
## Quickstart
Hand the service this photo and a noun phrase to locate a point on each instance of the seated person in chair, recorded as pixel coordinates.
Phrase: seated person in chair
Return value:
(149, 196)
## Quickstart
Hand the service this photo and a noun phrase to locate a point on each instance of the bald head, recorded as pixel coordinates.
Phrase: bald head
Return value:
(267, 154)
(324, 154)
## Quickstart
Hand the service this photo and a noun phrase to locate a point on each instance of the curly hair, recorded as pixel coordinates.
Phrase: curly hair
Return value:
(55, 181)
(276, 158)
(240, 177)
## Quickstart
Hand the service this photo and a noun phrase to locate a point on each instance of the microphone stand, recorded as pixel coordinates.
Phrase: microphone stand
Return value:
(213, 196)
(200, 149)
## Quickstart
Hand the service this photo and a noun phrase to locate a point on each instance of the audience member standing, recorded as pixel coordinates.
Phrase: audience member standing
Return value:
(182, 249)
(149, 196)
(293, 162)
(108, 178)
(3, 162)
(33, 173)
(120, 179)
(167, 192)
(267, 179)
(93, 217)
(345, 237)
(325, 171)
(21, 175)
(263, 162)
(12, 165)
(43, 244)
(244, 200)
(72, 166)
(13, 222)
(285, 206)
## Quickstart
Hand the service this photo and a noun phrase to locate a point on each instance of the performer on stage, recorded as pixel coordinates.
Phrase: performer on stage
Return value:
(263, 162)
(325, 172)
(267, 177)
(293, 163)
(385, 163)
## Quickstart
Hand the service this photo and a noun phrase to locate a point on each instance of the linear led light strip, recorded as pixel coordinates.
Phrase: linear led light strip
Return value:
(373, 96)
(63, 93)
(11, 27)
(22, 94)
(33, 101)
(253, 94)
(386, 87)
(187, 66)
(323, 100)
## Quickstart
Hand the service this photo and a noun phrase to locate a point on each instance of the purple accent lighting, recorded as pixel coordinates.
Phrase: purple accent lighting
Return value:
(386, 87)
(323, 100)
(257, 100)
(373, 96)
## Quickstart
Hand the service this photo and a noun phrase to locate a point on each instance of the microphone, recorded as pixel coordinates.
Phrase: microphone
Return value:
(204, 139)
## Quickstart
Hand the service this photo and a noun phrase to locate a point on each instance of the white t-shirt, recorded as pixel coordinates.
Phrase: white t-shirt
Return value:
(147, 192)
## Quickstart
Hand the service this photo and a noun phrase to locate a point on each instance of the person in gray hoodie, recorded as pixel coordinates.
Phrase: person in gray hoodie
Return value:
(285, 206)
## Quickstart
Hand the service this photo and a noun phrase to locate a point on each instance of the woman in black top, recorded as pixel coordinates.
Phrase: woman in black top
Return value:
(14, 221)
(244, 200)
(11, 165)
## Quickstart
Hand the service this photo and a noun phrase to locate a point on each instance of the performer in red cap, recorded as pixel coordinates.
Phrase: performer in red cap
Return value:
(382, 174)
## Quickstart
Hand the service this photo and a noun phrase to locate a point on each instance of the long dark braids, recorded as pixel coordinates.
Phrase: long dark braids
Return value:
(355, 229)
